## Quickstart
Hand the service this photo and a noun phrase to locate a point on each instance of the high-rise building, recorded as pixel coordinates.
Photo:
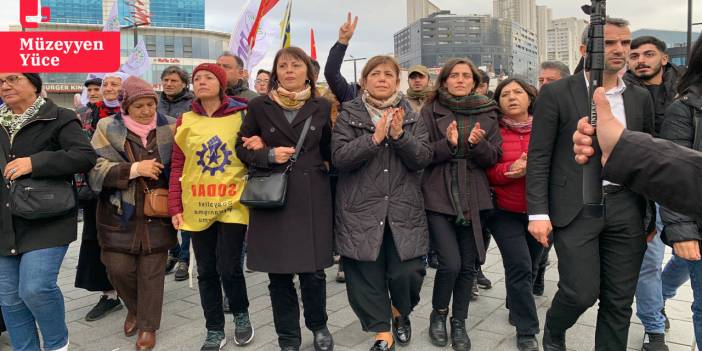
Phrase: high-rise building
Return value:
(503, 46)
(164, 13)
(543, 24)
(75, 12)
(564, 39)
(520, 11)
(178, 13)
(417, 9)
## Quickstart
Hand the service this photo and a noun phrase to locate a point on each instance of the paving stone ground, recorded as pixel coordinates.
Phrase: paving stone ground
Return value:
(182, 326)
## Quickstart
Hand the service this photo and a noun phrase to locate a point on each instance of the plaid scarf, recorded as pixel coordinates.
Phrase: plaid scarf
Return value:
(14, 122)
(465, 110)
(376, 107)
(519, 127)
(109, 140)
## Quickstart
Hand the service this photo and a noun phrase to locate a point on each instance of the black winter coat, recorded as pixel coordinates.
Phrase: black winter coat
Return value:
(379, 185)
(296, 238)
(58, 148)
(680, 127)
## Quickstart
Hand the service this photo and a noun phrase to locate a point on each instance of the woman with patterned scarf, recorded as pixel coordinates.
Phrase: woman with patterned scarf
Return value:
(110, 104)
(295, 239)
(380, 147)
(509, 222)
(91, 274)
(38, 140)
(465, 135)
(134, 152)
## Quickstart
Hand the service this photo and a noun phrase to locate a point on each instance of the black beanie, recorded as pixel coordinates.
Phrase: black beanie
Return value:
(35, 79)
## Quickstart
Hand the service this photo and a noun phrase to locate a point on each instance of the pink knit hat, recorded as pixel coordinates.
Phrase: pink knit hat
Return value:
(134, 88)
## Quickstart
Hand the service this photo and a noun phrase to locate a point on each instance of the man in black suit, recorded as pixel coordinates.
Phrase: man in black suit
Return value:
(598, 258)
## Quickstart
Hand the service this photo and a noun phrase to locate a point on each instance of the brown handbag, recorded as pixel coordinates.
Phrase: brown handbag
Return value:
(155, 200)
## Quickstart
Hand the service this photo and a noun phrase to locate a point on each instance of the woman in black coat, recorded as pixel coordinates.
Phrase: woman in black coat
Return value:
(380, 148)
(38, 141)
(295, 238)
(465, 135)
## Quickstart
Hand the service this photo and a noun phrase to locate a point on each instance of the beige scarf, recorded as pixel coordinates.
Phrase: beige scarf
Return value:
(289, 100)
(377, 107)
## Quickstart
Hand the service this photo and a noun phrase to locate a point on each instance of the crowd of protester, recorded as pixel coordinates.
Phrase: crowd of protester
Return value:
(383, 182)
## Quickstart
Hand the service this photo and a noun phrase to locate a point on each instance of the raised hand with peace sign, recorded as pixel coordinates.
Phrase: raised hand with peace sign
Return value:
(347, 29)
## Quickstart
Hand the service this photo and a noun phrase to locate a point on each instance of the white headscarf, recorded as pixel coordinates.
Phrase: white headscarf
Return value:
(122, 76)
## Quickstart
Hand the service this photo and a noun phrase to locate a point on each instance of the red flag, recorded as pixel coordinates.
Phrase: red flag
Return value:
(266, 5)
(313, 47)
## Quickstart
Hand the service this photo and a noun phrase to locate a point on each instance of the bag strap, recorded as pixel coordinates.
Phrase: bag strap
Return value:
(298, 147)
(130, 156)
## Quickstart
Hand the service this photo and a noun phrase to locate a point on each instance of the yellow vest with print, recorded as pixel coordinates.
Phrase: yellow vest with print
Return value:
(213, 177)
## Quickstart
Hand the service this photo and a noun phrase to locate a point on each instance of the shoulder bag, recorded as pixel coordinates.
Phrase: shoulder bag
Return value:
(268, 191)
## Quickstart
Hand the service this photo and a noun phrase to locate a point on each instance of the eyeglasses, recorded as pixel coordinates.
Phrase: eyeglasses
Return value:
(10, 80)
(261, 81)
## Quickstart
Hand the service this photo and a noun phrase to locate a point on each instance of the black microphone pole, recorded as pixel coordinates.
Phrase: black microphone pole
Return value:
(593, 206)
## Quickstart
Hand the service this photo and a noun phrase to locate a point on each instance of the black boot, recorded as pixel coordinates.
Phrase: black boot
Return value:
(459, 335)
(553, 342)
(382, 345)
(483, 281)
(437, 328)
(402, 330)
(323, 340)
(655, 342)
(527, 343)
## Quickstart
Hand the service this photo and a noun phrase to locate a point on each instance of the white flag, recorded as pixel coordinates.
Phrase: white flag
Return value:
(267, 38)
(238, 44)
(138, 62)
(112, 22)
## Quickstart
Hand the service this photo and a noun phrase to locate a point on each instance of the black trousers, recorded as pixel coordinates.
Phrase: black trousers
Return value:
(544, 259)
(600, 259)
(218, 254)
(521, 254)
(91, 273)
(286, 309)
(368, 284)
(455, 246)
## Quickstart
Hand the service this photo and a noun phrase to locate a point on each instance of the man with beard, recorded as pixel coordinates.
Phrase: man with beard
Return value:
(649, 68)
(599, 257)
(237, 85)
(419, 86)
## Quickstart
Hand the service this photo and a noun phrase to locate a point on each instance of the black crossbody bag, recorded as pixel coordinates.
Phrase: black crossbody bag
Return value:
(39, 198)
(269, 191)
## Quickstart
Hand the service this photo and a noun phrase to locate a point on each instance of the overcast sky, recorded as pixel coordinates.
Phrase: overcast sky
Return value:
(380, 19)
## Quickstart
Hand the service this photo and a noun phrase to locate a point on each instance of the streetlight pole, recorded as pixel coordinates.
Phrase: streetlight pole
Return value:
(355, 79)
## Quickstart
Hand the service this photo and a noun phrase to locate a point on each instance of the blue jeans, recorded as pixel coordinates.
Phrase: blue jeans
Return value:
(182, 251)
(29, 297)
(649, 296)
(695, 268)
(675, 274)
